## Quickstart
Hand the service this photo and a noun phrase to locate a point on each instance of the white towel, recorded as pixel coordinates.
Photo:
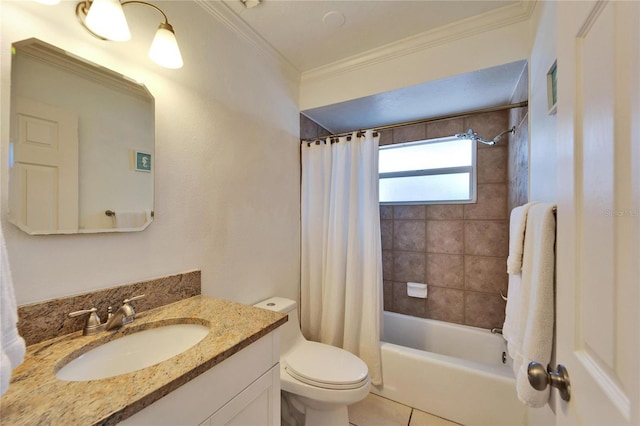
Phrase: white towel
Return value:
(511, 330)
(511, 327)
(12, 346)
(133, 219)
(517, 226)
(537, 299)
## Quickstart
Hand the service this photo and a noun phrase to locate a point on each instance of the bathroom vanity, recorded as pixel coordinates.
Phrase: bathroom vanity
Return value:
(242, 390)
(230, 377)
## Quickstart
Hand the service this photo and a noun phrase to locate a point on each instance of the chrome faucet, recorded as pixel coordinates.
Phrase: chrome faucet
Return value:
(124, 315)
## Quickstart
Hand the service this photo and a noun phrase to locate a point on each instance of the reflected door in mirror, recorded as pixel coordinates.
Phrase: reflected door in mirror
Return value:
(44, 175)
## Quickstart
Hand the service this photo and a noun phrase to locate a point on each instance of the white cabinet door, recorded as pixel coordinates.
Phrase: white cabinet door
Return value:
(598, 249)
(257, 405)
(196, 401)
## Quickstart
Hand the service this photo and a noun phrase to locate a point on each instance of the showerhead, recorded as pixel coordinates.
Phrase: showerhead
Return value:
(474, 136)
(469, 135)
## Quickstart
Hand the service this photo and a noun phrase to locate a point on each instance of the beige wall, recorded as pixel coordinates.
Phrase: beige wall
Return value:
(227, 164)
(542, 145)
(405, 64)
(459, 250)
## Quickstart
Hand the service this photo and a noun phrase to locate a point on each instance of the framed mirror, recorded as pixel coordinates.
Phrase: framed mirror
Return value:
(81, 147)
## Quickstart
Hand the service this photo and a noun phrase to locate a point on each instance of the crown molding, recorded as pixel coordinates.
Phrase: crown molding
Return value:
(226, 16)
(74, 64)
(488, 21)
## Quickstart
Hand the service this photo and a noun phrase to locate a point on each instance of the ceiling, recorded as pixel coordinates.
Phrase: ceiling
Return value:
(467, 92)
(295, 28)
(312, 33)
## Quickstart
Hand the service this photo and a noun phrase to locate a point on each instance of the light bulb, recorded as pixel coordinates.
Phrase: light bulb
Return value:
(164, 49)
(106, 19)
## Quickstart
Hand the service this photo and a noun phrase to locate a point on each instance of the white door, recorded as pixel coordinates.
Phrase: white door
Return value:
(598, 297)
(44, 173)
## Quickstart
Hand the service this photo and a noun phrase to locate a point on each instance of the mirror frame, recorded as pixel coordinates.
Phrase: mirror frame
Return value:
(68, 62)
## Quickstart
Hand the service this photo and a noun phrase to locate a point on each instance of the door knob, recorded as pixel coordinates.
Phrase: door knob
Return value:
(539, 378)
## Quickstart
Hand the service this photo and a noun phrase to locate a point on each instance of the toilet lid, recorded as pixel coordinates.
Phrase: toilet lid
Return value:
(326, 366)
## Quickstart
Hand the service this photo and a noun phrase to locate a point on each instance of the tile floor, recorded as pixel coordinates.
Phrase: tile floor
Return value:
(375, 410)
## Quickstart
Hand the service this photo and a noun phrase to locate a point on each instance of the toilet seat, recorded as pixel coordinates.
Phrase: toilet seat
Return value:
(325, 366)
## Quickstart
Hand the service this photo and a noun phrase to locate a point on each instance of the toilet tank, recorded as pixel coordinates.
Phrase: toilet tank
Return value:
(291, 330)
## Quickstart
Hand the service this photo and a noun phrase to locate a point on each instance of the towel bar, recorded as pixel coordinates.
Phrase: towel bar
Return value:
(111, 213)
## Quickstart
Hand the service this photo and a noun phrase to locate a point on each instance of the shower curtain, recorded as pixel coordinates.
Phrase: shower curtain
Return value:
(341, 282)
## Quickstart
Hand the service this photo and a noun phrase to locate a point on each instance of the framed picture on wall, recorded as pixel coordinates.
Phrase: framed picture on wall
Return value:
(552, 88)
(142, 161)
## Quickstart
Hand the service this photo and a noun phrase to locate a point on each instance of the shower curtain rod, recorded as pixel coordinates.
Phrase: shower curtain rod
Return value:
(425, 120)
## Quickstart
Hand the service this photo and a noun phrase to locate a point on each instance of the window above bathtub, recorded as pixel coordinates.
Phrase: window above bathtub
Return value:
(434, 171)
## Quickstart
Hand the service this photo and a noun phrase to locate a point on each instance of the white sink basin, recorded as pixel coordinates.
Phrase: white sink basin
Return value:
(133, 352)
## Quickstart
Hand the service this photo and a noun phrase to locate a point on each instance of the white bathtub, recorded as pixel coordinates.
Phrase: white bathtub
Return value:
(452, 371)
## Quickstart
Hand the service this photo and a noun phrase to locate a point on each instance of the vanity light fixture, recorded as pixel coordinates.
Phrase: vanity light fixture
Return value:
(105, 20)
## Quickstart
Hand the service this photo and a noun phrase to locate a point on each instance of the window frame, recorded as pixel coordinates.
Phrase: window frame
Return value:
(472, 169)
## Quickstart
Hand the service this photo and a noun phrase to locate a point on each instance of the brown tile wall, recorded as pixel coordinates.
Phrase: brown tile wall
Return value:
(459, 250)
(518, 170)
(309, 129)
(45, 320)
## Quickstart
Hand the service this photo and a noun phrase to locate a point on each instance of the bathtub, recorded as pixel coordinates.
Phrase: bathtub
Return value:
(450, 370)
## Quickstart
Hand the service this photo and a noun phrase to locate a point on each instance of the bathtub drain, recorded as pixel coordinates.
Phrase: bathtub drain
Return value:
(504, 357)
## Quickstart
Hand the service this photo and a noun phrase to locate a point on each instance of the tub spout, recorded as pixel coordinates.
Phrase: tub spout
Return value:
(496, 331)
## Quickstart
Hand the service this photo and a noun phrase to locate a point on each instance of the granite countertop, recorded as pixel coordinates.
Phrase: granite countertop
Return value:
(36, 396)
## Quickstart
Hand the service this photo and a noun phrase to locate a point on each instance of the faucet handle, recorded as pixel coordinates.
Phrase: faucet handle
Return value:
(133, 298)
(84, 311)
(92, 325)
(93, 317)
(128, 310)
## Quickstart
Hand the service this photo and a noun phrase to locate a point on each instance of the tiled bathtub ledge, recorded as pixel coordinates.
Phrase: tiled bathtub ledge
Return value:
(36, 396)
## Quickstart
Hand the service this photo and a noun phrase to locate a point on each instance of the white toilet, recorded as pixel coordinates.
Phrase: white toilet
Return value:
(318, 381)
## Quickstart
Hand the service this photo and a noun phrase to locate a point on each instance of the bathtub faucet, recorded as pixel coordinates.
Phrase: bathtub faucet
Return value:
(496, 331)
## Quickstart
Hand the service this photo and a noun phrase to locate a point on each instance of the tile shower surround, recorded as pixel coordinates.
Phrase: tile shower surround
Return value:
(519, 146)
(459, 250)
(309, 129)
(45, 320)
